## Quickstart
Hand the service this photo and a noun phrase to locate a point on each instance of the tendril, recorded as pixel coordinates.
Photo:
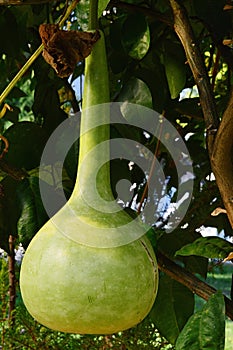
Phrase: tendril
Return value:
(6, 146)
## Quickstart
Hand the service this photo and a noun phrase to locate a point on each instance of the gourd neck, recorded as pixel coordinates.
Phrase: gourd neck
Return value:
(94, 127)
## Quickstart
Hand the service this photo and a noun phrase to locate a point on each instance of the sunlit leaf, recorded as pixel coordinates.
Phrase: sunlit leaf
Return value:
(206, 328)
(209, 247)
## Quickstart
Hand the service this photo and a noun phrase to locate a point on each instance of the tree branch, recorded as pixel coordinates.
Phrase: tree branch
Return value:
(222, 161)
(16, 173)
(200, 288)
(142, 9)
(184, 31)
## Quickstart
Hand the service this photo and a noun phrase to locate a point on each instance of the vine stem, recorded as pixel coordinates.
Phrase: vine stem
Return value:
(152, 169)
(35, 55)
(19, 75)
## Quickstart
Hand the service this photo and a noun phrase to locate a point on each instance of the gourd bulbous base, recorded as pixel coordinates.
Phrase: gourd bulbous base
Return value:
(75, 288)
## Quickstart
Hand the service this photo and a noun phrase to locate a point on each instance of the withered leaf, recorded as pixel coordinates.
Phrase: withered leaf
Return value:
(229, 257)
(218, 211)
(64, 49)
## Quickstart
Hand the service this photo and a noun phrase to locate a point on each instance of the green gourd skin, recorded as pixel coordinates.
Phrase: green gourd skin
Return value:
(75, 288)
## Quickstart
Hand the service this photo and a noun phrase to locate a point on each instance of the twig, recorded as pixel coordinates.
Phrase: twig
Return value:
(152, 169)
(16, 173)
(12, 281)
(5, 150)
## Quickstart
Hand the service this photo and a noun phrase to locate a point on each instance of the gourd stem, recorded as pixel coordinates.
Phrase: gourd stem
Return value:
(95, 111)
(93, 15)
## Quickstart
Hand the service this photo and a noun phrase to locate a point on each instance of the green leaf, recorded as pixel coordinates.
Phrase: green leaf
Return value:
(179, 238)
(102, 4)
(136, 91)
(175, 72)
(205, 329)
(136, 36)
(33, 215)
(152, 72)
(173, 306)
(174, 63)
(209, 247)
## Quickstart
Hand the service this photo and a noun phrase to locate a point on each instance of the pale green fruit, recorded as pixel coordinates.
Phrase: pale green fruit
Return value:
(74, 288)
(109, 284)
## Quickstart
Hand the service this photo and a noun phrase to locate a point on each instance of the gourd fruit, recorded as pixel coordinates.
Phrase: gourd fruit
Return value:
(100, 288)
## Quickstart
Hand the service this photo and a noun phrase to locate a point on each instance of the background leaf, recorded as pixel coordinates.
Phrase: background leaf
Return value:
(173, 306)
(26, 144)
(173, 59)
(136, 91)
(136, 36)
(206, 328)
(211, 247)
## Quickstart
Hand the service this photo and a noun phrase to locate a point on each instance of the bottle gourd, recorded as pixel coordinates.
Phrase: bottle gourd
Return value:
(96, 288)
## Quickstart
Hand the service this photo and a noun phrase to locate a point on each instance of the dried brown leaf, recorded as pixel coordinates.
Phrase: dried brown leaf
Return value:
(218, 211)
(64, 49)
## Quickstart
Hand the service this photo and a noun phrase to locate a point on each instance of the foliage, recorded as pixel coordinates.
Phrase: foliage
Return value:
(147, 66)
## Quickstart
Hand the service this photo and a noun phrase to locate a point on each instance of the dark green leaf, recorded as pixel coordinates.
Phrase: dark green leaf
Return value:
(13, 115)
(212, 12)
(26, 143)
(152, 72)
(135, 36)
(205, 329)
(173, 306)
(173, 241)
(46, 106)
(173, 60)
(9, 33)
(209, 247)
(33, 215)
(175, 72)
(136, 91)
(118, 61)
